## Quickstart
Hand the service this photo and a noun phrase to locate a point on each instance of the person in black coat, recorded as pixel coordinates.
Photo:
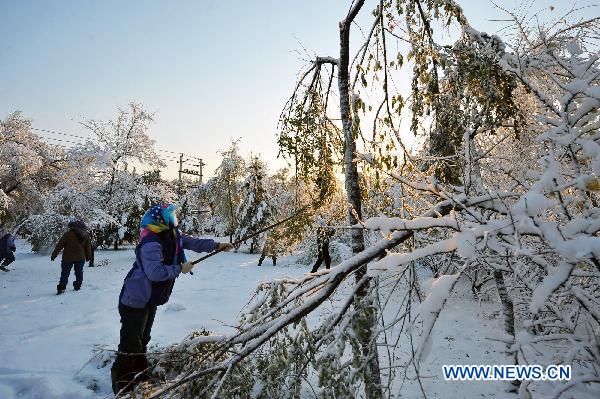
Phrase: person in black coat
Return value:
(7, 249)
(323, 236)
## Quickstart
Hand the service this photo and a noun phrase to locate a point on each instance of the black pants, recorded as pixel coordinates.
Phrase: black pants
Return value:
(136, 325)
(322, 256)
(8, 259)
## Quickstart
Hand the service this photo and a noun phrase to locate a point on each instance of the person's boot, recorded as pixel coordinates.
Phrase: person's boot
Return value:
(60, 288)
(143, 369)
(122, 374)
(122, 383)
(76, 285)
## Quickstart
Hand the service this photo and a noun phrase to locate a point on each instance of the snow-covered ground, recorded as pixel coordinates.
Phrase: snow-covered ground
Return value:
(45, 339)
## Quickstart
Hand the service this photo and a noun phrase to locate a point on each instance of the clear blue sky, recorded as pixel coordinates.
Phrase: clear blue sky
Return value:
(211, 70)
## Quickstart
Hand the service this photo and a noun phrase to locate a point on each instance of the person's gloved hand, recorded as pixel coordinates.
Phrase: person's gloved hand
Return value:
(225, 246)
(52, 258)
(186, 267)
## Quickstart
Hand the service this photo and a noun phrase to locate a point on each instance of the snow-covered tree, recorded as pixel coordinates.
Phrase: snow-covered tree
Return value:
(100, 186)
(119, 146)
(254, 211)
(223, 190)
(28, 168)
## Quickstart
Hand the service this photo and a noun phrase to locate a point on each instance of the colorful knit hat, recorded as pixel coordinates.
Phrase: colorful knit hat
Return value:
(158, 218)
(161, 218)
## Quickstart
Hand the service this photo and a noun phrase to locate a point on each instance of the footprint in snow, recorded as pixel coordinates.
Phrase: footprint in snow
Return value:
(174, 307)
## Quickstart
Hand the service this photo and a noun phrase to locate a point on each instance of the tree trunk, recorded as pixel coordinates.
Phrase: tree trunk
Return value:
(366, 322)
(506, 301)
(351, 179)
(508, 314)
(472, 179)
(92, 253)
(232, 226)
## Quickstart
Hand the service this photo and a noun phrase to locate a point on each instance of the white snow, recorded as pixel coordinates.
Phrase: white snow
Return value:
(574, 48)
(466, 244)
(550, 283)
(531, 204)
(393, 261)
(590, 148)
(46, 339)
(430, 308)
(388, 224)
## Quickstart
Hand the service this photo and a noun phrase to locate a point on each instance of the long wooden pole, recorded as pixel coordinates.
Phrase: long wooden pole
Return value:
(241, 240)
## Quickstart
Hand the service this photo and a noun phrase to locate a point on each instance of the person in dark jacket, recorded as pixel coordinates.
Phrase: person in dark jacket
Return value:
(76, 248)
(269, 249)
(323, 236)
(160, 258)
(7, 249)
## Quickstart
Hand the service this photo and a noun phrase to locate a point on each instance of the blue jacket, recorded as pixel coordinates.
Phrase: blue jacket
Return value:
(7, 245)
(151, 279)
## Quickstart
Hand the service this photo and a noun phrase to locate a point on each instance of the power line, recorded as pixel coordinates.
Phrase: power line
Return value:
(179, 160)
(163, 158)
(61, 140)
(61, 133)
(178, 153)
(54, 139)
(92, 139)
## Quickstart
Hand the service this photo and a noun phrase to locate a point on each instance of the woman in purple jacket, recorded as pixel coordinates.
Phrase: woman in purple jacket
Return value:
(160, 258)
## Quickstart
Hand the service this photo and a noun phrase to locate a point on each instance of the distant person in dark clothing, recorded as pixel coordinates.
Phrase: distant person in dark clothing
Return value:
(323, 236)
(7, 249)
(269, 249)
(160, 259)
(76, 248)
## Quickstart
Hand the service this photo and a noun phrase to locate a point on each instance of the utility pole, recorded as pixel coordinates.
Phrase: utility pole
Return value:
(180, 186)
(200, 165)
(186, 171)
(189, 171)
